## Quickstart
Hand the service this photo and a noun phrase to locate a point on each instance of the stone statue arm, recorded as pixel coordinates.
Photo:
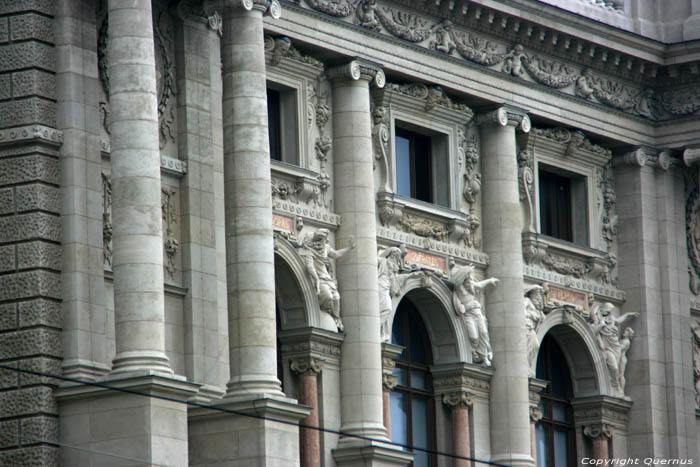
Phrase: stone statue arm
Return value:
(343, 251)
(311, 269)
(485, 282)
(625, 317)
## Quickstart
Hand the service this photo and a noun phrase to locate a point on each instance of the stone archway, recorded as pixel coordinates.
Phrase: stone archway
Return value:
(446, 332)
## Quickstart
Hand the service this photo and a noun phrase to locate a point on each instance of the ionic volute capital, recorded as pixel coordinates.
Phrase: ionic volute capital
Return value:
(691, 157)
(506, 116)
(306, 365)
(268, 7)
(458, 399)
(598, 430)
(358, 70)
(638, 158)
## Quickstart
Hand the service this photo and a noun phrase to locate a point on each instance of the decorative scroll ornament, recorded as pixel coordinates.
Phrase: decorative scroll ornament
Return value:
(282, 47)
(605, 326)
(306, 365)
(458, 399)
(380, 140)
(692, 231)
(107, 220)
(565, 266)
(608, 218)
(476, 49)
(216, 23)
(526, 179)
(432, 95)
(467, 305)
(615, 94)
(598, 430)
(696, 361)
(171, 245)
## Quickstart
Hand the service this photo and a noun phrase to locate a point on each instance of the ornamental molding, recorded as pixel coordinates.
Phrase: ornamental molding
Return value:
(279, 48)
(695, 329)
(462, 377)
(598, 431)
(611, 411)
(458, 399)
(306, 365)
(692, 231)
(311, 343)
(530, 52)
(32, 134)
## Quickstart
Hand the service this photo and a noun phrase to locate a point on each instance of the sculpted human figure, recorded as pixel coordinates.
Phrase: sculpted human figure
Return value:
(605, 326)
(534, 315)
(464, 298)
(625, 343)
(316, 254)
(389, 265)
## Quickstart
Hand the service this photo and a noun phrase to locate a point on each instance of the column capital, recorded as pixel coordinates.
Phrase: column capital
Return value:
(652, 157)
(268, 7)
(358, 70)
(306, 365)
(389, 354)
(691, 157)
(506, 116)
(598, 431)
(535, 414)
(458, 399)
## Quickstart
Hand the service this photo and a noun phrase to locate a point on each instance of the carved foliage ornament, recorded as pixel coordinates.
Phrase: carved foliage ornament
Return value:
(696, 360)
(692, 229)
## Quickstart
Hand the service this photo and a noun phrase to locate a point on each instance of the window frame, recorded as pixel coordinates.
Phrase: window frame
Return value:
(411, 317)
(288, 114)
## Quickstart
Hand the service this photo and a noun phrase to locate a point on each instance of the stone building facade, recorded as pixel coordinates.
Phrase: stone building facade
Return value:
(466, 226)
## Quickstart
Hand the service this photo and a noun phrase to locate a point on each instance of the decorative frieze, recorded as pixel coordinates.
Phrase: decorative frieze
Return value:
(282, 47)
(458, 399)
(171, 245)
(695, 328)
(107, 220)
(692, 235)
(34, 133)
(306, 365)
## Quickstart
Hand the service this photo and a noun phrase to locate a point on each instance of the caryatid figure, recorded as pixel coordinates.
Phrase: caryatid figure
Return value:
(389, 265)
(316, 254)
(605, 326)
(464, 298)
(534, 315)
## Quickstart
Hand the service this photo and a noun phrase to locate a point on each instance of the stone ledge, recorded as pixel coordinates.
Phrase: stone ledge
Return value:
(374, 454)
(147, 382)
(281, 408)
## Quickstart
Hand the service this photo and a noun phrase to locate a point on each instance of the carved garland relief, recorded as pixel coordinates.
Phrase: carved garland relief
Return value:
(580, 81)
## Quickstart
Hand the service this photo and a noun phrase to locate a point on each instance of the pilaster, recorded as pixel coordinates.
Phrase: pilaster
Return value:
(308, 369)
(389, 381)
(510, 420)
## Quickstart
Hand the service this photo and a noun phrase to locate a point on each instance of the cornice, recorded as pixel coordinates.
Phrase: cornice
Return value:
(511, 45)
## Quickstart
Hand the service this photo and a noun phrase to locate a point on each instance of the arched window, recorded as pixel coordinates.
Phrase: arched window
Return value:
(412, 404)
(556, 443)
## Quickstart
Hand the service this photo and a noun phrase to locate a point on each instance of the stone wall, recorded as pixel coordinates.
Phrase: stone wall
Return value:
(30, 251)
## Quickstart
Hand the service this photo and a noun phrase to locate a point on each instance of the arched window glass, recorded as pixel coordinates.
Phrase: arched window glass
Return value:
(556, 443)
(412, 417)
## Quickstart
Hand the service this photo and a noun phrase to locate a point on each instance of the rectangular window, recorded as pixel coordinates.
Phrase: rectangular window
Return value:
(421, 160)
(282, 123)
(563, 205)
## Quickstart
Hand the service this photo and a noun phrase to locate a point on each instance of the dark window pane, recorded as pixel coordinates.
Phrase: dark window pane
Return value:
(423, 172)
(403, 166)
(420, 431)
(561, 444)
(399, 418)
(273, 123)
(542, 441)
(555, 205)
(419, 380)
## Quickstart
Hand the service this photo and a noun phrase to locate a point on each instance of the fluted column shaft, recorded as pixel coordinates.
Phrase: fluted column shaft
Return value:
(249, 245)
(136, 201)
(361, 367)
(509, 408)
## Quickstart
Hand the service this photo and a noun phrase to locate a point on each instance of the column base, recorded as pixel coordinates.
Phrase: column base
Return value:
(371, 454)
(136, 430)
(86, 370)
(247, 387)
(137, 361)
(219, 438)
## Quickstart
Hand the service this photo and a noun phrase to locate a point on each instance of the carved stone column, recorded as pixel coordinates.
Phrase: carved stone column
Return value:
(460, 402)
(361, 370)
(248, 204)
(600, 434)
(139, 303)
(536, 386)
(389, 380)
(308, 369)
(510, 420)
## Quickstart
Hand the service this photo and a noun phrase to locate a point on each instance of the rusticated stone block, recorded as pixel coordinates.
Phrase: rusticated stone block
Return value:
(8, 316)
(39, 255)
(9, 433)
(7, 258)
(30, 284)
(31, 26)
(39, 312)
(47, 7)
(7, 198)
(5, 89)
(33, 82)
(28, 111)
(31, 342)
(38, 196)
(40, 428)
(4, 31)
(15, 56)
(31, 168)
(9, 378)
(34, 455)
(28, 401)
(51, 366)
(30, 226)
